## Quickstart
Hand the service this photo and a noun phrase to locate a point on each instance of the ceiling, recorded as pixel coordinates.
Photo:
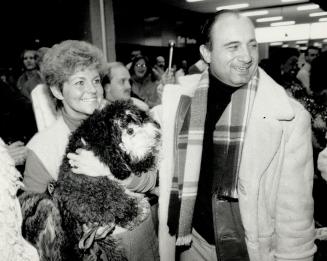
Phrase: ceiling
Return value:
(22, 22)
(288, 10)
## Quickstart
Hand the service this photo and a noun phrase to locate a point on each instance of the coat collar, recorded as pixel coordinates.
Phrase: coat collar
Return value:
(271, 100)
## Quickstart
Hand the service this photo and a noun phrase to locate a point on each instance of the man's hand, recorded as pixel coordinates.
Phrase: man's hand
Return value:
(166, 78)
(18, 152)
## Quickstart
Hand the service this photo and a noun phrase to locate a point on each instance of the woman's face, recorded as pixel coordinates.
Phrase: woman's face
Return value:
(29, 60)
(82, 93)
(140, 68)
(291, 66)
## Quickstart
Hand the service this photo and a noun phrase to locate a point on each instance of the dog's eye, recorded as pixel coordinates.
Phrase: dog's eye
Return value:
(130, 131)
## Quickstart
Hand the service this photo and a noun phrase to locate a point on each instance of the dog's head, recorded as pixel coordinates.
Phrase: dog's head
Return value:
(124, 137)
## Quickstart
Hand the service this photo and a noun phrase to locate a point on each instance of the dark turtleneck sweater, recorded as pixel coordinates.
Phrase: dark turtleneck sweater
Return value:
(219, 96)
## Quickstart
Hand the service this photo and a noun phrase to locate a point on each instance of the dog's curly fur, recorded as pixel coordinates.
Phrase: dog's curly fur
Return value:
(80, 199)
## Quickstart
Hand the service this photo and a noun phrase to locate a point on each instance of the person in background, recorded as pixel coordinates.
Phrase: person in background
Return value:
(160, 63)
(182, 70)
(318, 85)
(304, 73)
(237, 157)
(31, 75)
(317, 78)
(72, 70)
(116, 84)
(288, 63)
(43, 106)
(17, 123)
(159, 66)
(143, 81)
(16, 115)
(199, 67)
(133, 54)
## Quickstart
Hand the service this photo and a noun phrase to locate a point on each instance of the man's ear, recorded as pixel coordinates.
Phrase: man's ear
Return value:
(205, 53)
(56, 92)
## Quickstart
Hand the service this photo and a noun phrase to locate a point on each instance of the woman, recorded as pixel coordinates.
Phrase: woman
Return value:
(72, 70)
(144, 83)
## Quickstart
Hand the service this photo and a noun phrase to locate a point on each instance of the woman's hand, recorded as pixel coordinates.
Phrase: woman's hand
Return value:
(85, 162)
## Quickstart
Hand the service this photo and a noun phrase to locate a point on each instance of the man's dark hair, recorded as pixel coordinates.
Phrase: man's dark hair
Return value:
(311, 47)
(205, 35)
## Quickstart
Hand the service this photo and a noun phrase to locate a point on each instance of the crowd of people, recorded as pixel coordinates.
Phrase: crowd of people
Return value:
(243, 163)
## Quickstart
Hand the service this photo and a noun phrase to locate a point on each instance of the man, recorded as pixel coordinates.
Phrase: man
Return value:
(304, 73)
(160, 62)
(116, 84)
(159, 67)
(237, 158)
(133, 54)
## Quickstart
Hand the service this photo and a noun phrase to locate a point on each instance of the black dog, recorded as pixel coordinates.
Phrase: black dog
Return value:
(76, 220)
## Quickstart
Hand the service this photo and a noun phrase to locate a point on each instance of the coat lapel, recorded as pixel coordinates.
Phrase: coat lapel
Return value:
(262, 141)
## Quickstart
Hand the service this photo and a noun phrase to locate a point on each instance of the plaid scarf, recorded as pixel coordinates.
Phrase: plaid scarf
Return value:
(228, 136)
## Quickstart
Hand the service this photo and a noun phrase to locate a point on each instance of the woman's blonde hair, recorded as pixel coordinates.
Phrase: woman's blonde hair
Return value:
(68, 57)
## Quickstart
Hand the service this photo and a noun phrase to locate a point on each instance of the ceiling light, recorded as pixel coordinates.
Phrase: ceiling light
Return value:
(318, 14)
(237, 6)
(269, 19)
(255, 13)
(323, 19)
(307, 7)
(276, 43)
(151, 19)
(288, 1)
(302, 42)
(317, 44)
(192, 1)
(282, 23)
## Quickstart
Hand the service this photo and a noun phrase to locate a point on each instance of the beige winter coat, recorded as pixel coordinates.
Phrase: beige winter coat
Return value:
(275, 178)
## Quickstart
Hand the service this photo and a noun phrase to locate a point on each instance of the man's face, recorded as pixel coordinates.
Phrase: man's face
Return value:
(233, 57)
(119, 87)
(312, 54)
(29, 60)
(161, 62)
(135, 53)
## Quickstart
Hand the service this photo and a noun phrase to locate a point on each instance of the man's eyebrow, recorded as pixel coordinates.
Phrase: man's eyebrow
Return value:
(231, 43)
